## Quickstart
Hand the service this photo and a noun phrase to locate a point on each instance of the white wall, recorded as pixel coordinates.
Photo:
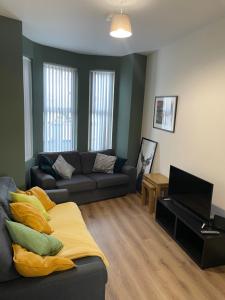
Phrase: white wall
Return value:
(194, 69)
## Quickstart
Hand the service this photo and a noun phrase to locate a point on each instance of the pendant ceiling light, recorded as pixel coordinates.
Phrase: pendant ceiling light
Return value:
(120, 26)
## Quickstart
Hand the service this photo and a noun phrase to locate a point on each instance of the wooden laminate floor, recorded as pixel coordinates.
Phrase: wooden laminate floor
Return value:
(145, 263)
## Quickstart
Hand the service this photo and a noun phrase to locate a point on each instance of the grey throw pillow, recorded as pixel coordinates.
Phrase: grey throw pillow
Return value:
(63, 168)
(104, 163)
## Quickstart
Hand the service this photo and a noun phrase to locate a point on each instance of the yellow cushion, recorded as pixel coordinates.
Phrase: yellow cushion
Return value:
(29, 215)
(16, 197)
(71, 230)
(29, 264)
(41, 195)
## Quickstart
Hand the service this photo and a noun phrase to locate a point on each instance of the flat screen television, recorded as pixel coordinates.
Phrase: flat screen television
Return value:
(190, 191)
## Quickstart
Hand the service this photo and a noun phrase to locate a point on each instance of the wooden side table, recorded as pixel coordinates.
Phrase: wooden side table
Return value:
(154, 186)
(148, 195)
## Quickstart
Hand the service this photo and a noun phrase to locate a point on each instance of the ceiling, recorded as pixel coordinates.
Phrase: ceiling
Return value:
(81, 26)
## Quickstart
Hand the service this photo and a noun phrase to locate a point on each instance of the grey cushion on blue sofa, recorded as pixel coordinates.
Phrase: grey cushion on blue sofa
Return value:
(77, 183)
(107, 180)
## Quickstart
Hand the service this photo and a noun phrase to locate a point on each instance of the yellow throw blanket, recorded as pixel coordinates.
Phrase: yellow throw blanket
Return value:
(69, 227)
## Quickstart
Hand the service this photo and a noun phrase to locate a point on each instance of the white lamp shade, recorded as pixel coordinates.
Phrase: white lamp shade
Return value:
(120, 26)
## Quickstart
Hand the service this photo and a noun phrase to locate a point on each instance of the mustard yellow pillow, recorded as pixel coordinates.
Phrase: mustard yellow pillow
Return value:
(29, 264)
(16, 197)
(41, 195)
(29, 215)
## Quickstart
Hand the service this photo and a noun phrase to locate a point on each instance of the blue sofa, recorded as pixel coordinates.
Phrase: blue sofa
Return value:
(86, 282)
(86, 186)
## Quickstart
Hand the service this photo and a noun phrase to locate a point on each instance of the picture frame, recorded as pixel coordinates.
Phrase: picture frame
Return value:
(165, 109)
(145, 159)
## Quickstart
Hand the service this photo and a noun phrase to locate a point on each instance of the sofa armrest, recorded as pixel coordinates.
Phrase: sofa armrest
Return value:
(86, 281)
(132, 173)
(58, 195)
(42, 179)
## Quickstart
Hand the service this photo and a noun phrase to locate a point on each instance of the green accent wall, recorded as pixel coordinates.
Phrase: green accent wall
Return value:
(124, 106)
(11, 100)
(137, 102)
(130, 106)
(84, 64)
(128, 101)
(129, 95)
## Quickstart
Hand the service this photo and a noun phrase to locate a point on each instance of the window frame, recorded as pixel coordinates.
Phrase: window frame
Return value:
(112, 71)
(74, 102)
(28, 151)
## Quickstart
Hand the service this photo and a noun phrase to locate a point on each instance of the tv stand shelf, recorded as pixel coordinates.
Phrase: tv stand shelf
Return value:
(185, 228)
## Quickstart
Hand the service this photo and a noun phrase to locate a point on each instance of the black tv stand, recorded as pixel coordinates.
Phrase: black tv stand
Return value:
(185, 228)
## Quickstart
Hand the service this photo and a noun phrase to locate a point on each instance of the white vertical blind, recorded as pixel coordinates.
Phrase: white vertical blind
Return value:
(101, 110)
(60, 113)
(28, 115)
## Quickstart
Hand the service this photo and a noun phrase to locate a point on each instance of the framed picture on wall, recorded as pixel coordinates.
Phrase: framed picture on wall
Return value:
(165, 109)
(145, 160)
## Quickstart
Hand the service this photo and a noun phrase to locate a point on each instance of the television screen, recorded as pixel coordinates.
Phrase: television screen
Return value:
(191, 191)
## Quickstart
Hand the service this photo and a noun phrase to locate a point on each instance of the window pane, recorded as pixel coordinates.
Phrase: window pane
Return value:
(101, 110)
(59, 108)
(28, 119)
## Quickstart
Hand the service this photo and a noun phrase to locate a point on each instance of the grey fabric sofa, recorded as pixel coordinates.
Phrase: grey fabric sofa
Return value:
(86, 186)
(86, 282)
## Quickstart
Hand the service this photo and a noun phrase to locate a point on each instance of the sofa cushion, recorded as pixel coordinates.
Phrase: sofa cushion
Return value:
(107, 180)
(18, 197)
(30, 216)
(78, 183)
(45, 165)
(88, 159)
(63, 168)
(120, 162)
(41, 195)
(72, 157)
(8, 271)
(104, 163)
(7, 185)
(29, 264)
(34, 241)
